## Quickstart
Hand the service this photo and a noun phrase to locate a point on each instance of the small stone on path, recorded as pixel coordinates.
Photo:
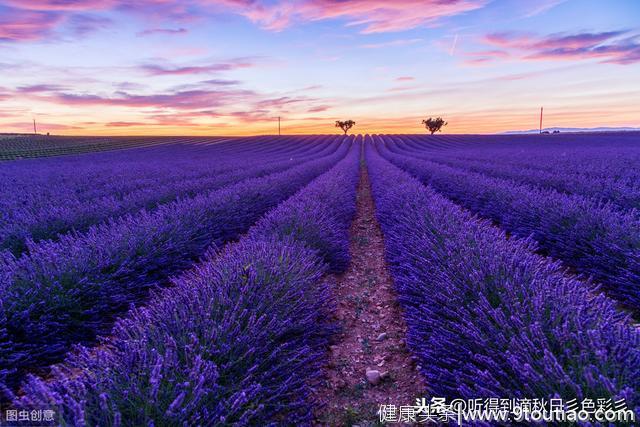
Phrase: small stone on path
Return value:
(373, 376)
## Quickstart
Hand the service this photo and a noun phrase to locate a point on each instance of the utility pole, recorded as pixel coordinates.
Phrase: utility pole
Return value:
(279, 133)
(541, 120)
(34, 127)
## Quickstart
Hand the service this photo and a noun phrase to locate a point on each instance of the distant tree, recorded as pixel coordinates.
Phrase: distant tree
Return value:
(346, 125)
(434, 125)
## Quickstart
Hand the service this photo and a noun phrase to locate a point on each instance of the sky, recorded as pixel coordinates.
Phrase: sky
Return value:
(232, 67)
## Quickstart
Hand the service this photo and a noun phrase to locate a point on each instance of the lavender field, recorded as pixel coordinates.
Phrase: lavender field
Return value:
(195, 281)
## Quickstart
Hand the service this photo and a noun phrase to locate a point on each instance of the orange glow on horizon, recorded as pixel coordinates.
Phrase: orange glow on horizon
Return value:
(470, 123)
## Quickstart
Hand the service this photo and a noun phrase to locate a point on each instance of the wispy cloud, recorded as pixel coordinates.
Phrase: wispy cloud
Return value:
(392, 43)
(163, 31)
(220, 82)
(27, 126)
(18, 25)
(30, 20)
(374, 16)
(24, 20)
(63, 5)
(403, 88)
(190, 99)
(541, 6)
(318, 109)
(281, 102)
(164, 70)
(485, 56)
(176, 107)
(41, 88)
(125, 124)
(83, 24)
(617, 47)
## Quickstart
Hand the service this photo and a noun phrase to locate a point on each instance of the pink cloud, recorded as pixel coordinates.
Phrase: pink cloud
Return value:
(576, 41)
(62, 5)
(509, 39)
(252, 116)
(606, 46)
(28, 20)
(374, 15)
(318, 109)
(183, 105)
(485, 56)
(281, 102)
(191, 99)
(25, 25)
(125, 124)
(405, 79)
(403, 88)
(42, 126)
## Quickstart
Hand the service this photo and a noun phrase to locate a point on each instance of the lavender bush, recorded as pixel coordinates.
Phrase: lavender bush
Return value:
(591, 237)
(35, 213)
(489, 318)
(543, 167)
(239, 340)
(69, 291)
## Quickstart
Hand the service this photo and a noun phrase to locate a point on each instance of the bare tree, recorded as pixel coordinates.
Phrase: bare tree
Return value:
(346, 125)
(434, 125)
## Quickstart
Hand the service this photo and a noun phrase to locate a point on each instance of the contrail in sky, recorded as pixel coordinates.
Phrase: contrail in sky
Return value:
(453, 47)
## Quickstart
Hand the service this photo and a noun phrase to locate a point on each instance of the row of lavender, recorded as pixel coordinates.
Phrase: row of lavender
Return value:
(122, 170)
(487, 317)
(40, 201)
(71, 290)
(601, 155)
(239, 339)
(32, 146)
(594, 238)
(608, 173)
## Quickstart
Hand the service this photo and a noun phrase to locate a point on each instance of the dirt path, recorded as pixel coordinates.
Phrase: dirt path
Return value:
(373, 333)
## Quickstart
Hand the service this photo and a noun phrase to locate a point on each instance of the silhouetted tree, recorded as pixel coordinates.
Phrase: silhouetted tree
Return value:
(346, 125)
(434, 125)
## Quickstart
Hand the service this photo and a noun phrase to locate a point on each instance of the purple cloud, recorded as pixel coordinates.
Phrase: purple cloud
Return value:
(191, 99)
(164, 31)
(318, 109)
(40, 88)
(220, 82)
(605, 46)
(82, 24)
(25, 25)
(161, 70)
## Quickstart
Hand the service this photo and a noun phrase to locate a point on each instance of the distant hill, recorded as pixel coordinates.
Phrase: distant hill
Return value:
(550, 130)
